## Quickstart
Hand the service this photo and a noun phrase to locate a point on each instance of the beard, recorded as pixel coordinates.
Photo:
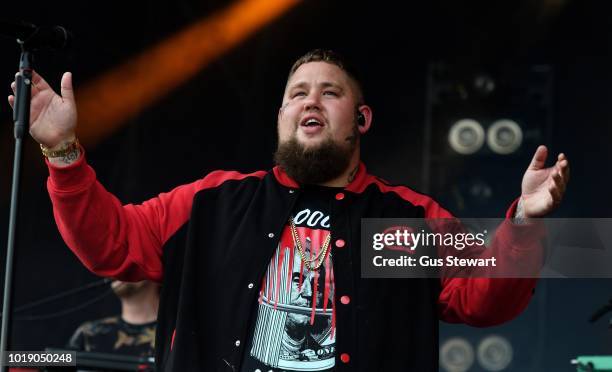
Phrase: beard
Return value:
(315, 164)
(125, 290)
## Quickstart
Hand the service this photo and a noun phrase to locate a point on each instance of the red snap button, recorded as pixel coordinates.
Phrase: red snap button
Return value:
(340, 196)
(345, 300)
(345, 358)
(339, 243)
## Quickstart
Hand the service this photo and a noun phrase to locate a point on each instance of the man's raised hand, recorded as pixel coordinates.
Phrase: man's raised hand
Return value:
(542, 188)
(53, 118)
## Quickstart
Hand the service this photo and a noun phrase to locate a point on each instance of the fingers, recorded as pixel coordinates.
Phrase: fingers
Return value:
(564, 166)
(36, 87)
(539, 158)
(38, 82)
(14, 89)
(560, 177)
(66, 86)
(558, 182)
(556, 193)
(11, 101)
(39, 85)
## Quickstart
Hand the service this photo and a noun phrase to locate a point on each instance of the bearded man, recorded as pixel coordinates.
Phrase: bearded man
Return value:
(231, 306)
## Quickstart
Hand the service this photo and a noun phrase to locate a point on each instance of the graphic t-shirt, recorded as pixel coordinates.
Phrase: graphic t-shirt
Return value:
(114, 335)
(294, 320)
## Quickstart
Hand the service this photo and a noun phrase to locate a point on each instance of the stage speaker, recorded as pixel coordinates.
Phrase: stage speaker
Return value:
(482, 126)
(517, 346)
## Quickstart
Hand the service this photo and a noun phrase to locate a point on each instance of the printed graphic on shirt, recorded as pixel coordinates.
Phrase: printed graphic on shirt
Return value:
(113, 335)
(295, 328)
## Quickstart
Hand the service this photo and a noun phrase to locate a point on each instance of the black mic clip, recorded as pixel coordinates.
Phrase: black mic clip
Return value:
(32, 37)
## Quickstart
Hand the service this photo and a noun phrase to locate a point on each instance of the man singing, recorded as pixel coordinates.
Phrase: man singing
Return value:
(261, 271)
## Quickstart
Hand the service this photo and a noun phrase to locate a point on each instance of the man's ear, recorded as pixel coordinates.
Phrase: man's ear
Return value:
(364, 118)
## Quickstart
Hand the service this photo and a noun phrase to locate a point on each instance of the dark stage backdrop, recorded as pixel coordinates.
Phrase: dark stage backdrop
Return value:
(224, 118)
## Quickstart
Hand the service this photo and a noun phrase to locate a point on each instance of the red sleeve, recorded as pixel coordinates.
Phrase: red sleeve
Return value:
(486, 302)
(118, 241)
(482, 301)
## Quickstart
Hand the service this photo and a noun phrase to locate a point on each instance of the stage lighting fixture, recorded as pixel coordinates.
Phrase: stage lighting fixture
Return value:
(504, 136)
(456, 355)
(484, 84)
(513, 104)
(466, 136)
(494, 353)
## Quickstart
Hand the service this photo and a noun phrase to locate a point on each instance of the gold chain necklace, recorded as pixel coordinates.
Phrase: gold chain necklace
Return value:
(318, 260)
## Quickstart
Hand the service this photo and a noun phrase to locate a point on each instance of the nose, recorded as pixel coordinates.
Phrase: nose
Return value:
(306, 289)
(312, 103)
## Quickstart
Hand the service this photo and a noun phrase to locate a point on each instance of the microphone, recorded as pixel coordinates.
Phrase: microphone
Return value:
(34, 37)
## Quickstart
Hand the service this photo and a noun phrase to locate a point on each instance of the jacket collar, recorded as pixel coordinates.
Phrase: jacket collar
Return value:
(358, 183)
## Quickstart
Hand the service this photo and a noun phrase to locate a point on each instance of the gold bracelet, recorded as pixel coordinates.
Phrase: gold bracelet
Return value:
(72, 146)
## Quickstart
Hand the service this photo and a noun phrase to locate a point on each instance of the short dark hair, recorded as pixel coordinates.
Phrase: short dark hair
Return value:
(334, 58)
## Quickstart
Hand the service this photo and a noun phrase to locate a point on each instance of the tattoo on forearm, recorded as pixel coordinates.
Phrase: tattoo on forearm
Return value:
(71, 156)
(519, 214)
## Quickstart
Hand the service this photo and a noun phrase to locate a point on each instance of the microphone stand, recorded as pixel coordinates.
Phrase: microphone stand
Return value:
(61, 295)
(601, 312)
(21, 118)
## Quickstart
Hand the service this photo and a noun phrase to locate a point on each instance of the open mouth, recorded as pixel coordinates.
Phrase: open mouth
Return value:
(312, 122)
